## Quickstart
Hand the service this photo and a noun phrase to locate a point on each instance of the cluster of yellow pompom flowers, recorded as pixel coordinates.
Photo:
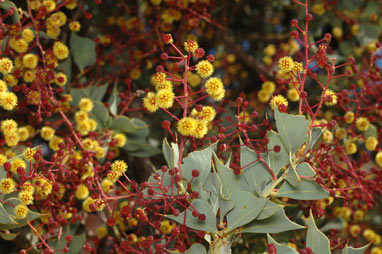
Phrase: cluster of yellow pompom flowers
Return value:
(164, 96)
(13, 134)
(8, 99)
(83, 121)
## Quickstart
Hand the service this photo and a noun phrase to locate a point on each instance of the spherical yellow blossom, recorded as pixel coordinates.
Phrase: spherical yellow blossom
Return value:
(113, 176)
(60, 78)
(106, 185)
(53, 143)
(371, 143)
(16, 164)
(327, 136)
(292, 95)
(85, 105)
(30, 61)
(6, 65)
(340, 133)
(47, 133)
(334, 98)
(8, 126)
(27, 186)
(29, 76)
(87, 144)
(350, 147)
(3, 87)
(318, 9)
(286, 64)
(86, 204)
(23, 133)
(165, 98)
(135, 74)
(75, 26)
(156, 2)
(214, 86)
(193, 79)
(349, 117)
(378, 159)
(190, 46)
(355, 230)
(21, 211)
(200, 129)
(27, 35)
(12, 139)
(337, 32)
(150, 102)
(119, 166)
(263, 96)
(186, 126)
(362, 123)
(18, 45)
(7, 185)
(355, 29)
(82, 191)
(50, 5)
(99, 152)
(26, 197)
(208, 113)
(101, 232)
(8, 100)
(268, 86)
(158, 78)
(71, 4)
(270, 50)
(204, 69)
(167, 85)
(60, 50)
(43, 188)
(3, 159)
(100, 204)
(376, 250)
(83, 127)
(267, 60)
(166, 226)
(297, 67)
(120, 138)
(81, 116)
(278, 100)
(11, 80)
(369, 234)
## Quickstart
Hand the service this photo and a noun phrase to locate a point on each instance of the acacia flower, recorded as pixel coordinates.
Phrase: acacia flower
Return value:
(200, 129)
(278, 100)
(150, 102)
(286, 63)
(85, 105)
(21, 211)
(204, 69)
(190, 46)
(60, 50)
(362, 124)
(165, 98)
(30, 61)
(7, 185)
(8, 100)
(349, 117)
(332, 97)
(26, 197)
(186, 126)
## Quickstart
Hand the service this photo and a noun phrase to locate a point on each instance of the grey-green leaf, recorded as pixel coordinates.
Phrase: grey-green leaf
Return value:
(304, 169)
(196, 248)
(351, 250)
(114, 100)
(270, 209)
(247, 208)
(306, 190)
(100, 114)
(292, 129)
(128, 125)
(277, 223)
(315, 239)
(314, 135)
(202, 206)
(171, 153)
(276, 161)
(83, 51)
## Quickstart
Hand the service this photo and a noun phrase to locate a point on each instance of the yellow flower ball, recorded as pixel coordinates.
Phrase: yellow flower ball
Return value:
(85, 105)
(214, 86)
(11, 80)
(12, 139)
(120, 138)
(8, 126)
(106, 185)
(60, 79)
(30, 61)
(349, 117)
(26, 197)
(21, 211)
(337, 32)
(330, 93)
(8, 100)
(29, 76)
(263, 96)
(16, 164)
(3, 159)
(18, 45)
(167, 85)
(362, 123)
(75, 26)
(292, 95)
(150, 102)
(350, 147)
(165, 98)
(119, 166)
(60, 50)
(378, 159)
(268, 86)
(101, 232)
(278, 100)
(82, 191)
(270, 50)
(204, 69)
(200, 129)
(7, 185)
(186, 126)
(53, 143)
(47, 133)
(286, 64)
(190, 46)
(23, 133)
(371, 143)
(6, 65)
